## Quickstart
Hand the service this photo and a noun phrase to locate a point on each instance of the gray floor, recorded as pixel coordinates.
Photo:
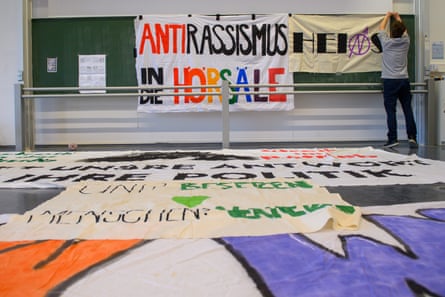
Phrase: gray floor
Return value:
(21, 200)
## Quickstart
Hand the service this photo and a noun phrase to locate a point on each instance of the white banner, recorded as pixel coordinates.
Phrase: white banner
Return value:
(129, 210)
(205, 50)
(333, 44)
(321, 166)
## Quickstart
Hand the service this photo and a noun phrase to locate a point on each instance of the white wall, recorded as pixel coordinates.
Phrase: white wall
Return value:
(315, 117)
(136, 7)
(404, 6)
(436, 32)
(10, 65)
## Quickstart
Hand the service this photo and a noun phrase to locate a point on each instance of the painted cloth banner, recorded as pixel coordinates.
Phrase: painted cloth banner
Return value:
(323, 166)
(333, 44)
(150, 210)
(406, 240)
(203, 50)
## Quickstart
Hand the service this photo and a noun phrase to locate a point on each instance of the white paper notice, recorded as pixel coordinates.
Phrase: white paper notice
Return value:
(437, 50)
(92, 73)
(51, 65)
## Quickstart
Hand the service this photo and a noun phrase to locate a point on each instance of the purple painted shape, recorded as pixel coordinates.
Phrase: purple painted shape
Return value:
(437, 214)
(293, 266)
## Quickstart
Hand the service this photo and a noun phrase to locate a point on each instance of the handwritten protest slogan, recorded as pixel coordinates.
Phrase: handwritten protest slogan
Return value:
(203, 50)
(323, 166)
(181, 191)
(333, 44)
(200, 50)
(101, 210)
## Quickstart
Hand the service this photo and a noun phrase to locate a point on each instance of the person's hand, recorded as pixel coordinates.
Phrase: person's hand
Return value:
(385, 20)
(396, 16)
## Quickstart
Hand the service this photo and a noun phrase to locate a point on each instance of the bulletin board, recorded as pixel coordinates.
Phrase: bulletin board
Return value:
(65, 39)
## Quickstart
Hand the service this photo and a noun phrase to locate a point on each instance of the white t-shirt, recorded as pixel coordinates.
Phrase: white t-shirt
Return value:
(395, 55)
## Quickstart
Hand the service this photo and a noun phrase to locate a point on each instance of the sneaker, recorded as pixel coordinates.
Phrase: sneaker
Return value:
(391, 143)
(412, 143)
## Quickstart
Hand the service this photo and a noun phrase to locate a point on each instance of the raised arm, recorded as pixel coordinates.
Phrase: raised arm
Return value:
(385, 21)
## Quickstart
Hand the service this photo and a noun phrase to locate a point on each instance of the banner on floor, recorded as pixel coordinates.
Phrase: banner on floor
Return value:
(333, 44)
(406, 239)
(205, 50)
(321, 166)
(129, 210)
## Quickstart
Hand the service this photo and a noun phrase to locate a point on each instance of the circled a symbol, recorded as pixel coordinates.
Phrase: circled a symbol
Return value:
(359, 44)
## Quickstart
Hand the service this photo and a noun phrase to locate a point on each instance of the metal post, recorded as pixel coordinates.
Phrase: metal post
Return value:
(27, 105)
(28, 125)
(420, 101)
(19, 125)
(430, 113)
(225, 91)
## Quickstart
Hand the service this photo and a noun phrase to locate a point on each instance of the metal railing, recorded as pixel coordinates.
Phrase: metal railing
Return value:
(24, 116)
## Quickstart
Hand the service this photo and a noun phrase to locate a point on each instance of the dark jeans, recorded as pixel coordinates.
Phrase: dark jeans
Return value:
(394, 89)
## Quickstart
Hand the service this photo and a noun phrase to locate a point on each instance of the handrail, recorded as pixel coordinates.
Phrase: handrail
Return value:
(166, 87)
(119, 94)
(119, 88)
(92, 92)
(225, 90)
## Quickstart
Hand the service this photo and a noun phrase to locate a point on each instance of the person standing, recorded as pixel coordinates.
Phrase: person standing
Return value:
(396, 85)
